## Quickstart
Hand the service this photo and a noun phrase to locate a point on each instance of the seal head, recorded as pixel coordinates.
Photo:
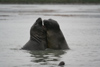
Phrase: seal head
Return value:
(37, 37)
(55, 37)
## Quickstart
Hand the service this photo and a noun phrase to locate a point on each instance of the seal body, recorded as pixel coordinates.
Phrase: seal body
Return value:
(37, 37)
(55, 37)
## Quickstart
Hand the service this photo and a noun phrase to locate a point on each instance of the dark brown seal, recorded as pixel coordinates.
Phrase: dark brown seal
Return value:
(37, 37)
(55, 37)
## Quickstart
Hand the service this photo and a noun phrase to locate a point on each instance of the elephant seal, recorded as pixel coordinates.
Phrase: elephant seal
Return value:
(55, 37)
(37, 37)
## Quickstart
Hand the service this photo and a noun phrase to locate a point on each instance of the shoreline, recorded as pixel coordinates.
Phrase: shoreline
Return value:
(49, 4)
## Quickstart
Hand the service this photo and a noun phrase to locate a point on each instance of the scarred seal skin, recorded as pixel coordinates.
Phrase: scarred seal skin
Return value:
(55, 37)
(38, 37)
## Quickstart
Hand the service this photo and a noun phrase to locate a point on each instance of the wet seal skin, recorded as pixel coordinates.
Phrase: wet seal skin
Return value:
(55, 37)
(38, 37)
(46, 34)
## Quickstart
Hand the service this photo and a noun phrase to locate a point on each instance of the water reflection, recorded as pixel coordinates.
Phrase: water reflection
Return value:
(43, 57)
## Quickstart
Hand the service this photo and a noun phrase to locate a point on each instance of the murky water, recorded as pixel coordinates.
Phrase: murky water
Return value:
(80, 25)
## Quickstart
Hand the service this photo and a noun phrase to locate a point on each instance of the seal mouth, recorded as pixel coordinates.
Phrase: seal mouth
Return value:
(43, 25)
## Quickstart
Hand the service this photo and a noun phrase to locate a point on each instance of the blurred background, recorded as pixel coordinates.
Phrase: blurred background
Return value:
(51, 1)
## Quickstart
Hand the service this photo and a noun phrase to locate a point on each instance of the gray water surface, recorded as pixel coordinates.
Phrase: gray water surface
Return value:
(80, 25)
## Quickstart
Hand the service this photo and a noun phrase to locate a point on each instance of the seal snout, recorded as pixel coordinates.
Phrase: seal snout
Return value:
(45, 21)
(39, 19)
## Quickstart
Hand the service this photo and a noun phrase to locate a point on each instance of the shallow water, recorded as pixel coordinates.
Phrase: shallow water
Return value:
(80, 25)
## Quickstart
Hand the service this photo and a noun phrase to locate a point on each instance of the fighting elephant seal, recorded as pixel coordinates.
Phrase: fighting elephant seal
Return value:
(37, 37)
(55, 37)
